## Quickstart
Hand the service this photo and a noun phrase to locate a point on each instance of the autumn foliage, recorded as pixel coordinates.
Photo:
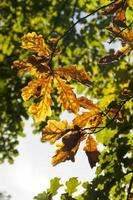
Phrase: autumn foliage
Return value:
(48, 78)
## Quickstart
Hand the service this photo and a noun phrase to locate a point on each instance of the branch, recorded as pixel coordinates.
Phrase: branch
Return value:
(81, 19)
(130, 187)
(112, 120)
(73, 25)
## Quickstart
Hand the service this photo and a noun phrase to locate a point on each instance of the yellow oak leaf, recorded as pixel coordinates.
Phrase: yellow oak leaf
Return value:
(91, 151)
(67, 97)
(34, 42)
(35, 68)
(54, 130)
(32, 89)
(42, 109)
(90, 119)
(74, 73)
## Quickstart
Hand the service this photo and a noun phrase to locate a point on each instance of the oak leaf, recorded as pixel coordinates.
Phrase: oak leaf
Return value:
(34, 42)
(42, 109)
(67, 97)
(127, 38)
(54, 130)
(72, 72)
(90, 119)
(67, 148)
(87, 104)
(91, 151)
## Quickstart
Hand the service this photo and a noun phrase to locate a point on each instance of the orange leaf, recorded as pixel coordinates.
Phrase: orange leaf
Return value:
(74, 73)
(115, 113)
(67, 97)
(89, 119)
(91, 151)
(87, 104)
(54, 130)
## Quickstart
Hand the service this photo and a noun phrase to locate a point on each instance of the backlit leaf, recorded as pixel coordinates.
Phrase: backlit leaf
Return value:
(42, 109)
(67, 97)
(89, 119)
(34, 42)
(72, 185)
(67, 149)
(54, 186)
(54, 130)
(74, 73)
(62, 155)
(87, 103)
(91, 151)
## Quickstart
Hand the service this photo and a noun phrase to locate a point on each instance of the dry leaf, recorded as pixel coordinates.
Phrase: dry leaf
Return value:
(115, 113)
(67, 97)
(34, 42)
(87, 104)
(74, 73)
(91, 151)
(54, 130)
(89, 119)
(42, 109)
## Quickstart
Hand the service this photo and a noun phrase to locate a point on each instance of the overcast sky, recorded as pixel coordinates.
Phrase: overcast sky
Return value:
(32, 170)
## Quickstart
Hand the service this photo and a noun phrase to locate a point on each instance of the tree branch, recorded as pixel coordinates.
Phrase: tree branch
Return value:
(130, 187)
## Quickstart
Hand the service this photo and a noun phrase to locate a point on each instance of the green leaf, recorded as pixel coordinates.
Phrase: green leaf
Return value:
(72, 185)
(54, 186)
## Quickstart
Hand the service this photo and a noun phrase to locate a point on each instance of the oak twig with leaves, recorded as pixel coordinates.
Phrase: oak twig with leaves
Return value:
(48, 76)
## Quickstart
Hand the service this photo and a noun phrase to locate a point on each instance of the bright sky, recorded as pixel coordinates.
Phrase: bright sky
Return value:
(32, 170)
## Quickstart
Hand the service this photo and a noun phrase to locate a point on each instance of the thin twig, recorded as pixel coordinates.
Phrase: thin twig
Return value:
(81, 19)
(73, 25)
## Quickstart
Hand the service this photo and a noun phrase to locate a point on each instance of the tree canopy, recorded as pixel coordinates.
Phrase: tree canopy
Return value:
(70, 66)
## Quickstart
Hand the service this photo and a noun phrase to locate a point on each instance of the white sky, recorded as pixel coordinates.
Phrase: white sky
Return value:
(32, 170)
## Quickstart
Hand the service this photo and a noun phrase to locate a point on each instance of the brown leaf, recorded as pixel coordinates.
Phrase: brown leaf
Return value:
(67, 97)
(120, 18)
(87, 104)
(114, 113)
(91, 151)
(74, 73)
(54, 130)
(113, 7)
(68, 148)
